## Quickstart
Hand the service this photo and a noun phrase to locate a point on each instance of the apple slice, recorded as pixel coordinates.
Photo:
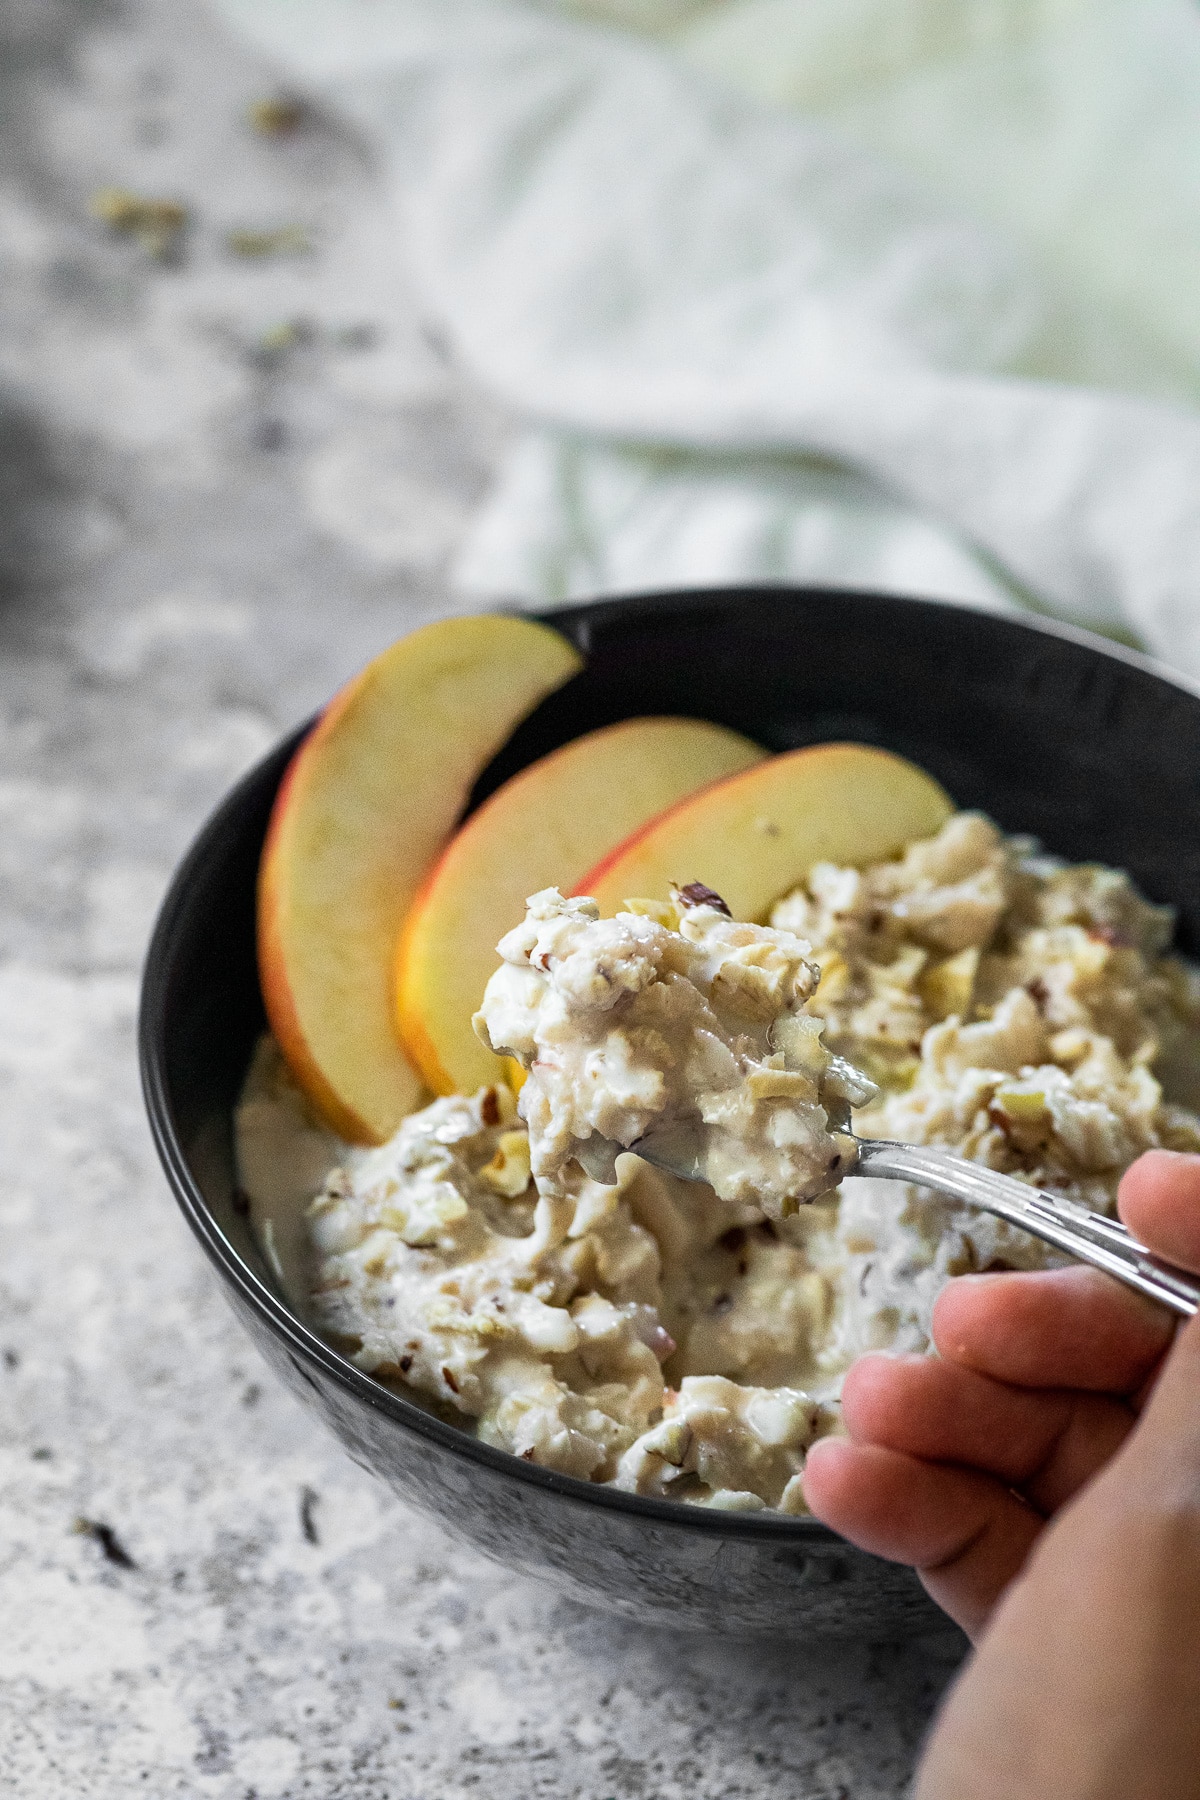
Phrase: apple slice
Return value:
(543, 828)
(365, 807)
(753, 837)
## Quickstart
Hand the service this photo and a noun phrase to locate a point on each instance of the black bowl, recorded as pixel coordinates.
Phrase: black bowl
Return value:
(1050, 731)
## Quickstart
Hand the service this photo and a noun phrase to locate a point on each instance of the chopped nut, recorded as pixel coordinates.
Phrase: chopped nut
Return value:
(278, 115)
(1108, 934)
(158, 225)
(696, 894)
(280, 240)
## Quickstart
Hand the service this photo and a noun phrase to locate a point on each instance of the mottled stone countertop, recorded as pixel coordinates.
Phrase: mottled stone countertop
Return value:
(225, 480)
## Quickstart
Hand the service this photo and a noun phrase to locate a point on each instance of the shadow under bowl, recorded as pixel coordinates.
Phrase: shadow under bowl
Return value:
(1050, 731)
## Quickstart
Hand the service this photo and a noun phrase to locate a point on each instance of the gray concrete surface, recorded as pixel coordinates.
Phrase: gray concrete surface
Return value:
(224, 482)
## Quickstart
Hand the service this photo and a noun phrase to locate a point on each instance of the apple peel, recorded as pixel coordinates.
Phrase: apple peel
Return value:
(365, 808)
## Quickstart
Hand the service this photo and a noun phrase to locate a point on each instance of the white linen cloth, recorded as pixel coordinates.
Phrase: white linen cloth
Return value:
(873, 292)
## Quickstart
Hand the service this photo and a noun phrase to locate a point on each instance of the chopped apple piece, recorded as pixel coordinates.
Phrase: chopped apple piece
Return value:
(756, 835)
(947, 987)
(543, 828)
(365, 808)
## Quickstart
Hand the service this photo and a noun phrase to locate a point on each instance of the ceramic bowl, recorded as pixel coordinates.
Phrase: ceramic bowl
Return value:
(1086, 745)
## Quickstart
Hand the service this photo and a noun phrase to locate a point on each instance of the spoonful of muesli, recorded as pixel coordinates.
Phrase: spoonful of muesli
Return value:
(681, 1033)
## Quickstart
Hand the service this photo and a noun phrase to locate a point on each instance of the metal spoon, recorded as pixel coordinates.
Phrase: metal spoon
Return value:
(1089, 1236)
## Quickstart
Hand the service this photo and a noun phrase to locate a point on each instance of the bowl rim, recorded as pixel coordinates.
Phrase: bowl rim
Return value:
(306, 1349)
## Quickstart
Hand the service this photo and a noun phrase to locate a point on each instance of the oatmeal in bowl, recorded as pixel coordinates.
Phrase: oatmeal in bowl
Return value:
(514, 1263)
(693, 1345)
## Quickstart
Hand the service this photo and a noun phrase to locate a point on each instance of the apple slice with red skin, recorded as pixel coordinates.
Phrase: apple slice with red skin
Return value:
(753, 837)
(541, 829)
(366, 806)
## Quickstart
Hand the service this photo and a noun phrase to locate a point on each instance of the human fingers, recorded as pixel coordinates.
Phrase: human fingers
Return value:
(1052, 1328)
(1165, 1449)
(1047, 1443)
(1103, 1622)
(966, 1534)
(1159, 1200)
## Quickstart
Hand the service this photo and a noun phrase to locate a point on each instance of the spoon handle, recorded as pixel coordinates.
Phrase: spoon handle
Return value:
(1091, 1237)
